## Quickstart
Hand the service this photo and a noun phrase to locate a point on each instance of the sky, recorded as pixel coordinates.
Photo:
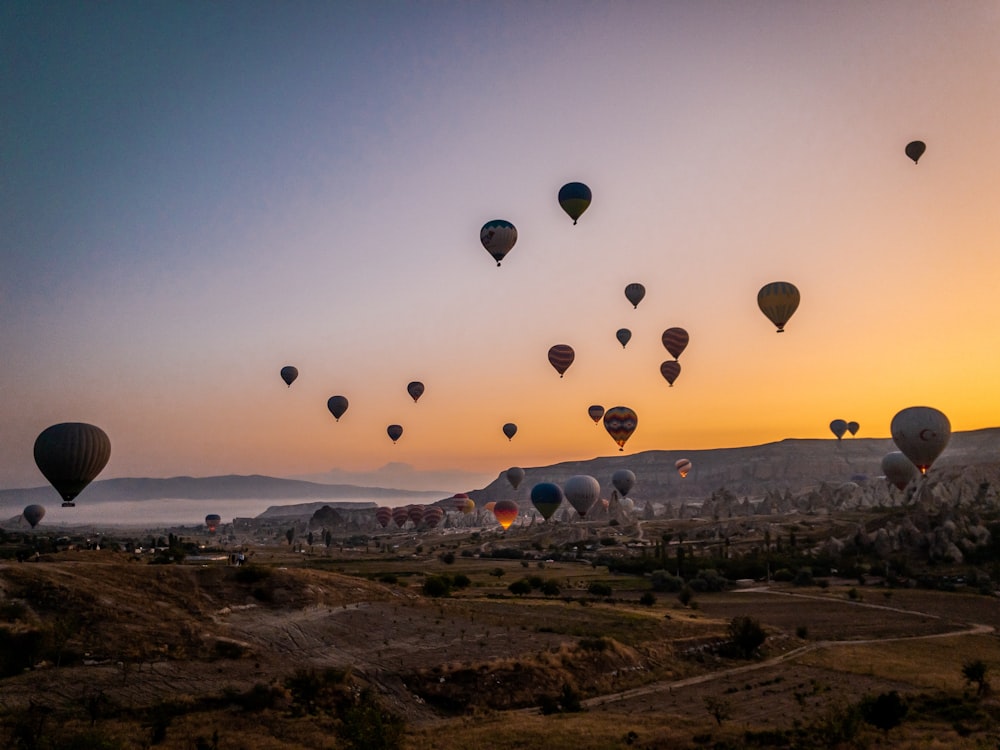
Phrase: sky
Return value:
(193, 195)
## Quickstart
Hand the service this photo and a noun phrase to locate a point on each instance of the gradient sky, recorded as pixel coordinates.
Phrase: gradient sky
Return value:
(194, 194)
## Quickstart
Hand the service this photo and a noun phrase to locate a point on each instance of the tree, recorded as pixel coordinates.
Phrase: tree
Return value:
(520, 587)
(685, 596)
(974, 671)
(746, 635)
(290, 535)
(648, 599)
(719, 708)
(366, 726)
(599, 589)
(884, 711)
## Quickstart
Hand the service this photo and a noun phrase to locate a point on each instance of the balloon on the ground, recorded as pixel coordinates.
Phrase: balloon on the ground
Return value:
(595, 412)
(288, 374)
(915, 149)
(498, 237)
(561, 356)
(70, 455)
(463, 503)
(838, 427)
(400, 515)
(634, 293)
(683, 466)
(515, 475)
(212, 521)
(620, 422)
(415, 389)
(510, 430)
(433, 515)
(921, 433)
(574, 197)
(623, 481)
(582, 491)
(383, 515)
(624, 335)
(675, 341)
(33, 514)
(898, 469)
(546, 497)
(853, 427)
(670, 369)
(778, 301)
(506, 512)
(415, 513)
(337, 406)
(394, 431)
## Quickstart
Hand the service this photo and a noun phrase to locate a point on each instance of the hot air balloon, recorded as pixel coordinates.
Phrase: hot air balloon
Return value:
(433, 515)
(921, 433)
(383, 515)
(70, 455)
(463, 503)
(288, 374)
(546, 497)
(853, 427)
(838, 427)
(634, 293)
(561, 356)
(401, 515)
(415, 513)
(582, 491)
(515, 475)
(683, 466)
(915, 149)
(898, 469)
(506, 512)
(394, 431)
(624, 481)
(620, 422)
(415, 389)
(675, 341)
(574, 197)
(498, 237)
(212, 521)
(33, 514)
(670, 369)
(510, 430)
(490, 505)
(337, 406)
(595, 412)
(778, 301)
(624, 335)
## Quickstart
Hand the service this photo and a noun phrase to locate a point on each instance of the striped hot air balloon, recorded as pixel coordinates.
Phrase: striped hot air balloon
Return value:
(383, 515)
(400, 516)
(433, 515)
(624, 335)
(683, 466)
(212, 521)
(595, 412)
(670, 369)
(634, 293)
(561, 356)
(620, 422)
(415, 513)
(506, 512)
(675, 341)
(778, 301)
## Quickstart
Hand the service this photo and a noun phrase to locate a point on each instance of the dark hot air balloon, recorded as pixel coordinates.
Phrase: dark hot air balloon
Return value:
(853, 427)
(921, 433)
(212, 521)
(498, 237)
(415, 389)
(394, 431)
(337, 406)
(510, 430)
(582, 491)
(383, 515)
(670, 369)
(288, 374)
(574, 197)
(546, 497)
(624, 335)
(400, 516)
(415, 513)
(70, 455)
(778, 301)
(683, 466)
(675, 341)
(515, 475)
(898, 469)
(595, 412)
(623, 481)
(620, 422)
(506, 512)
(838, 427)
(33, 514)
(915, 149)
(634, 293)
(433, 515)
(561, 356)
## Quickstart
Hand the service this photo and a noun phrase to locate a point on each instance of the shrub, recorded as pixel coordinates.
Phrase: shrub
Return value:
(804, 577)
(520, 587)
(365, 725)
(437, 586)
(648, 599)
(599, 589)
(551, 588)
(746, 635)
(686, 596)
(663, 580)
(884, 711)
(448, 558)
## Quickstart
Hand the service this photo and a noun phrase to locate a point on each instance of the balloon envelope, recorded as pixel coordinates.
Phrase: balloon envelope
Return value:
(510, 430)
(515, 475)
(394, 431)
(561, 356)
(915, 149)
(432, 516)
(595, 412)
(33, 514)
(634, 293)
(853, 427)
(683, 466)
(383, 515)
(675, 341)
(415, 389)
(921, 433)
(838, 427)
(212, 521)
(498, 237)
(623, 480)
(70, 455)
(289, 373)
(624, 335)
(337, 406)
(670, 369)
(506, 512)
(574, 197)
(582, 491)
(415, 513)
(400, 515)
(620, 422)
(898, 469)
(546, 497)
(778, 301)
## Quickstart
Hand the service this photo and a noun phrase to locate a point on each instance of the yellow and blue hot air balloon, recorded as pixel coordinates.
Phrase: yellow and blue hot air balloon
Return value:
(574, 197)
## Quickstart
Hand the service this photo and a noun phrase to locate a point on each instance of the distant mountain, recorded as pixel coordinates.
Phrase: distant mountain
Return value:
(792, 464)
(230, 487)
